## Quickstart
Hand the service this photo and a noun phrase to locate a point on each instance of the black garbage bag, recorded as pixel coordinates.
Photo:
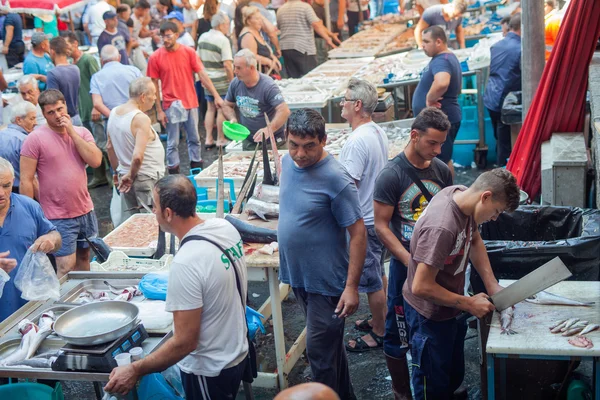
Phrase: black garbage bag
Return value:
(519, 242)
(512, 109)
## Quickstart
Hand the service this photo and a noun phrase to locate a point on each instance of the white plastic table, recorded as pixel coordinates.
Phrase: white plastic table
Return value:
(534, 339)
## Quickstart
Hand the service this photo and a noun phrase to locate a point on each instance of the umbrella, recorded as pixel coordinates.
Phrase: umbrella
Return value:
(40, 6)
(559, 102)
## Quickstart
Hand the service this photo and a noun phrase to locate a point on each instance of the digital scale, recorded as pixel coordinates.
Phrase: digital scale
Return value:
(101, 357)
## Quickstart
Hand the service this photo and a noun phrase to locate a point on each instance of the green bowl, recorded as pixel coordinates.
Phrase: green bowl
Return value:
(235, 131)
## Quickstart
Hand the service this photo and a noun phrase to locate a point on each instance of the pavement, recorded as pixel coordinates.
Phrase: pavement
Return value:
(370, 377)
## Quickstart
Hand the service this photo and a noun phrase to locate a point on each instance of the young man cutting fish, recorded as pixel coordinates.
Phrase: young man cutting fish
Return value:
(443, 241)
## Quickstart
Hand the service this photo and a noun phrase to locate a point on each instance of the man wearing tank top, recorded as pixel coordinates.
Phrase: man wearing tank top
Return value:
(134, 148)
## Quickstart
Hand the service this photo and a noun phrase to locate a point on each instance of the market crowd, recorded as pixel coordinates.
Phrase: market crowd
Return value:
(172, 64)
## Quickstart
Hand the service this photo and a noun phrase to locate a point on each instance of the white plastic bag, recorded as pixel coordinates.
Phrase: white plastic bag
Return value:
(36, 278)
(116, 211)
(4, 277)
(176, 113)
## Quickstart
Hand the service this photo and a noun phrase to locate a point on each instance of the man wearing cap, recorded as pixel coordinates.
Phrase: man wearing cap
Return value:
(115, 36)
(93, 22)
(38, 61)
(184, 37)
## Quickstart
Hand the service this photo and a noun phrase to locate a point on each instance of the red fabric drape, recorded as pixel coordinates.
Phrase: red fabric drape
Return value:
(559, 102)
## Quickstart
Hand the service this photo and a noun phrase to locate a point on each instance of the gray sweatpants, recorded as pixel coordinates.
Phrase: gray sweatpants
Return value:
(325, 342)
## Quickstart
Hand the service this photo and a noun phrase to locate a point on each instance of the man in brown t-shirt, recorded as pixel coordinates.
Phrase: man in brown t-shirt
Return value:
(443, 241)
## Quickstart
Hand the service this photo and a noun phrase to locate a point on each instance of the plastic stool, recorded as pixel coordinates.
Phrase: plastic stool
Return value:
(201, 192)
(210, 206)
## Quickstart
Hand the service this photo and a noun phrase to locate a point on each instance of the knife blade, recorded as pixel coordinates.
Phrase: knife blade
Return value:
(549, 274)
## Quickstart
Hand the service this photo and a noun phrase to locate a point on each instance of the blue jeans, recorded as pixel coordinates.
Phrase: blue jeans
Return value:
(193, 139)
(438, 355)
(395, 340)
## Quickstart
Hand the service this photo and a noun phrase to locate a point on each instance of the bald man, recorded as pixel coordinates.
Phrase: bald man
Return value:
(308, 391)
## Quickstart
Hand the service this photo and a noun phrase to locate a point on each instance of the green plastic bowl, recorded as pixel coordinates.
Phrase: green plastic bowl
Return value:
(235, 131)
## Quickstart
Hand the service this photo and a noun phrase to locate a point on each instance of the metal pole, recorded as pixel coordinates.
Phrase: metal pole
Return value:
(327, 16)
(533, 49)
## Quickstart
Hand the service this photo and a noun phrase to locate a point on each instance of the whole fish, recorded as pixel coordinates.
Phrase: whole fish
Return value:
(576, 329)
(589, 328)
(558, 324)
(33, 363)
(552, 299)
(251, 233)
(267, 193)
(28, 329)
(46, 324)
(128, 293)
(506, 319)
(570, 323)
(262, 209)
(581, 341)
(579, 324)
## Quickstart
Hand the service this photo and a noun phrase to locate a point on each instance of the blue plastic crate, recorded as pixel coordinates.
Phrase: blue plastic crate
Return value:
(469, 130)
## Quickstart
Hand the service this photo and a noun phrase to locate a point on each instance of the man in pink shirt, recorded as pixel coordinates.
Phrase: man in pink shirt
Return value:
(175, 66)
(58, 153)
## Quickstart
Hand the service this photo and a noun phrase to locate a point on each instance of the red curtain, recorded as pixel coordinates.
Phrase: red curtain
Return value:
(559, 102)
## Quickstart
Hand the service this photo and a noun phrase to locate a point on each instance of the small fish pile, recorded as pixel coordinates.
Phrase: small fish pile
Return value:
(506, 319)
(546, 298)
(575, 326)
(121, 295)
(32, 337)
(269, 249)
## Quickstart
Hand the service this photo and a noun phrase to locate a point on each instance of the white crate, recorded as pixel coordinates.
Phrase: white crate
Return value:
(119, 262)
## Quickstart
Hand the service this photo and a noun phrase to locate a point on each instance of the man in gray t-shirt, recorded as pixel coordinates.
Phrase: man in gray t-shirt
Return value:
(448, 16)
(319, 206)
(255, 94)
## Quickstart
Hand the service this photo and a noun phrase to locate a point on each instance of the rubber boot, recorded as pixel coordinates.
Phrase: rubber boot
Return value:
(398, 368)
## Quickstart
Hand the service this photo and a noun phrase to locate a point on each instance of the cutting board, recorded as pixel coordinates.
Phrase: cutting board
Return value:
(532, 322)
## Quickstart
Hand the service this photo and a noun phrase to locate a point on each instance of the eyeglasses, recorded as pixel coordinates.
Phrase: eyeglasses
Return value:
(168, 36)
(345, 100)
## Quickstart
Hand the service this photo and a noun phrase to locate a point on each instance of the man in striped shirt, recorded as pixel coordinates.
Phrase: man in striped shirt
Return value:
(214, 49)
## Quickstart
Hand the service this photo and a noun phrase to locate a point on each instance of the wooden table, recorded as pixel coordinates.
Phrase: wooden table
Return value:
(265, 268)
(535, 341)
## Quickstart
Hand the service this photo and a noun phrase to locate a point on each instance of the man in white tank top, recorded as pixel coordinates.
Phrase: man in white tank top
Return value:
(134, 148)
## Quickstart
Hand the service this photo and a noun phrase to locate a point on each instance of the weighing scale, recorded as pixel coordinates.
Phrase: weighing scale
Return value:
(101, 357)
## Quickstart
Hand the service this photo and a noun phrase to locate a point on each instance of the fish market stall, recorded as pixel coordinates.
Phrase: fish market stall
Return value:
(367, 43)
(533, 338)
(52, 357)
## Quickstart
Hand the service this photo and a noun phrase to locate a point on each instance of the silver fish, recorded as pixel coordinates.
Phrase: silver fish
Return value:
(506, 318)
(581, 324)
(28, 329)
(571, 322)
(33, 363)
(558, 324)
(589, 328)
(267, 193)
(261, 208)
(46, 324)
(552, 299)
(572, 331)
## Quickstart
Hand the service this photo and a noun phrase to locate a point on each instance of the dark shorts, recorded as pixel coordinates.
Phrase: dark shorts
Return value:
(448, 146)
(370, 280)
(225, 386)
(395, 340)
(74, 231)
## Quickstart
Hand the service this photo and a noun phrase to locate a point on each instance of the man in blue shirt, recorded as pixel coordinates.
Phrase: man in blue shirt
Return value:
(38, 61)
(115, 35)
(505, 77)
(447, 16)
(440, 85)
(319, 205)
(23, 120)
(65, 77)
(22, 225)
(12, 34)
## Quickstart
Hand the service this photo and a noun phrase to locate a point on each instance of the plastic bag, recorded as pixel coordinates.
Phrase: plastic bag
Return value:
(176, 113)
(512, 109)
(253, 319)
(155, 387)
(116, 211)
(173, 378)
(154, 286)
(36, 278)
(4, 277)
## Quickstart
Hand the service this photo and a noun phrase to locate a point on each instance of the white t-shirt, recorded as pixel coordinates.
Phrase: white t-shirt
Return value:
(201, 277)
(186, 40)
(95, 17)
(364, 155)
(189, 17)
(428, 3)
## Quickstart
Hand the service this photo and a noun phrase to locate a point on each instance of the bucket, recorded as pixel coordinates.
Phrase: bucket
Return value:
(31, 391)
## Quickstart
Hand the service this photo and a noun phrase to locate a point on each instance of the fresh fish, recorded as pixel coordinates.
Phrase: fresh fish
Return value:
(572, 331)
(28, 329)
(267, 193)
(128, 293)
(113, 289)
(589, 328)
(570, 323)
(33, 363)
(581, 341)
(506, 319)
(46, 324)
(261, 209)
(48, 354)
(251, 233)
(552, 299)
(558, 324)
(84, 298)
(579, 324)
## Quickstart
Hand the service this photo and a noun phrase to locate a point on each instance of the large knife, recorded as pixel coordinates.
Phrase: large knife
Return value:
(549, 274)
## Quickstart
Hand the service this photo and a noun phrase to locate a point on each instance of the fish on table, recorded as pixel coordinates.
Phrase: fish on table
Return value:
(547, 298)
(506, 318)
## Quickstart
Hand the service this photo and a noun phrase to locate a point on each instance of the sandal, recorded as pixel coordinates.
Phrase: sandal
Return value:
(361, 346)
(209, 146)
(364, 325)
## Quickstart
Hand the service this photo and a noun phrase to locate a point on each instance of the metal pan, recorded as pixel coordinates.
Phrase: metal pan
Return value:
(96, 323)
